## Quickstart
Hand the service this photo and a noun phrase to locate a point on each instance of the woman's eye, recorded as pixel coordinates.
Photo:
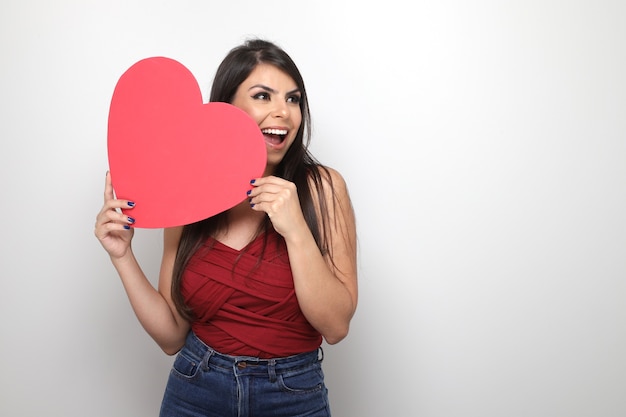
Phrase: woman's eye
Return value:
(261, 96)
(294, 99)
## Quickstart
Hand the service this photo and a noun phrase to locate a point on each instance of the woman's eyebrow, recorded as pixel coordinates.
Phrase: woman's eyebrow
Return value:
(271, 90)
(263, 87)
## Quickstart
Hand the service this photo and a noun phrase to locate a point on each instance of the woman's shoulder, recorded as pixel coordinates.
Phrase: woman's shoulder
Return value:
(331, 181)
(328, 175)
(171, 237)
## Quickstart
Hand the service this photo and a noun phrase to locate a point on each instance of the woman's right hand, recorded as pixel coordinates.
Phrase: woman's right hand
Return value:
(113, 228)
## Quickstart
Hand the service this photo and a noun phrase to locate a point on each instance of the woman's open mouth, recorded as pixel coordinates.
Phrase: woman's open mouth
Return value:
(274, 137)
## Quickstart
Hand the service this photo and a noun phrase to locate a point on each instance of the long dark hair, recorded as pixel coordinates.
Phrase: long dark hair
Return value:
(297, 166)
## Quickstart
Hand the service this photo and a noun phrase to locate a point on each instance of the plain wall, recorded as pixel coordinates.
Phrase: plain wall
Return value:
(484, 144)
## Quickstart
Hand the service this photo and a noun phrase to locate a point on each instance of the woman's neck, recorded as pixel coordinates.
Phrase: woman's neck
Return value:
(243, 225)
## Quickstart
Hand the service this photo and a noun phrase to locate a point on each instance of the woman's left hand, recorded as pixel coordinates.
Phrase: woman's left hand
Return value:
(278, 198)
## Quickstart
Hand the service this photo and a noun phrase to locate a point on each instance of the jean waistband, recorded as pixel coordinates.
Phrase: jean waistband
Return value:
(207, 355)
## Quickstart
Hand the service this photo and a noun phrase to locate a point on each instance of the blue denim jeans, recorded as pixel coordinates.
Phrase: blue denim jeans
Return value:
(206, 383)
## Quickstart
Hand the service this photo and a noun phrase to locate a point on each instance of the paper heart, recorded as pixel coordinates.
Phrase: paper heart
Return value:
(179, 159)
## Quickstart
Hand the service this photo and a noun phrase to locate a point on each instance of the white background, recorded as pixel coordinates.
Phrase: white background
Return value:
(484, 144)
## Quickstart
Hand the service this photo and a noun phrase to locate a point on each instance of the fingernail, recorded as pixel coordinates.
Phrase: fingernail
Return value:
(251, 204)
(252, 181)
(131, 220)
(127, 227)
(248, 192)
(131, 204)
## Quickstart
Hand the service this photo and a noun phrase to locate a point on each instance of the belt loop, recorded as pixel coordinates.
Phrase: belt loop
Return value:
(206, 359)
(320, 354)
(271, 369)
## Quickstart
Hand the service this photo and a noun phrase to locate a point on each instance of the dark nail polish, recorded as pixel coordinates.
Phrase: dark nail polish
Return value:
(131, 204)
(252, 181)
(131, 220)
(248, 192)
(251, 205)
(127, 227)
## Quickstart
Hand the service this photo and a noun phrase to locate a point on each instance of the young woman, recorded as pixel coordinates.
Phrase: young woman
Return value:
(245, 297)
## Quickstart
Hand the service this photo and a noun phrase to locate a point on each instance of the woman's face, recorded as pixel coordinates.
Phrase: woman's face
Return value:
(272, 99)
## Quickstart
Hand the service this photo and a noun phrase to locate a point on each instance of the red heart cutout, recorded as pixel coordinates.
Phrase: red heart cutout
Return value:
(178, 159)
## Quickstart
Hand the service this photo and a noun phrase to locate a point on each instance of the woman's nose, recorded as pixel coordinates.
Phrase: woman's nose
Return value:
(280, 109)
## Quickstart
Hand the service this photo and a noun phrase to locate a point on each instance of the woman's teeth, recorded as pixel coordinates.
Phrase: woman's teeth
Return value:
(274, 131)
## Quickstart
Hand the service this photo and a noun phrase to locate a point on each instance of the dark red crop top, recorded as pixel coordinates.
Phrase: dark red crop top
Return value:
(245, 306)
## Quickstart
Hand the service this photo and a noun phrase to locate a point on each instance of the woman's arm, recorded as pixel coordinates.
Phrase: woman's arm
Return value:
(326, 285)
(154, 309)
